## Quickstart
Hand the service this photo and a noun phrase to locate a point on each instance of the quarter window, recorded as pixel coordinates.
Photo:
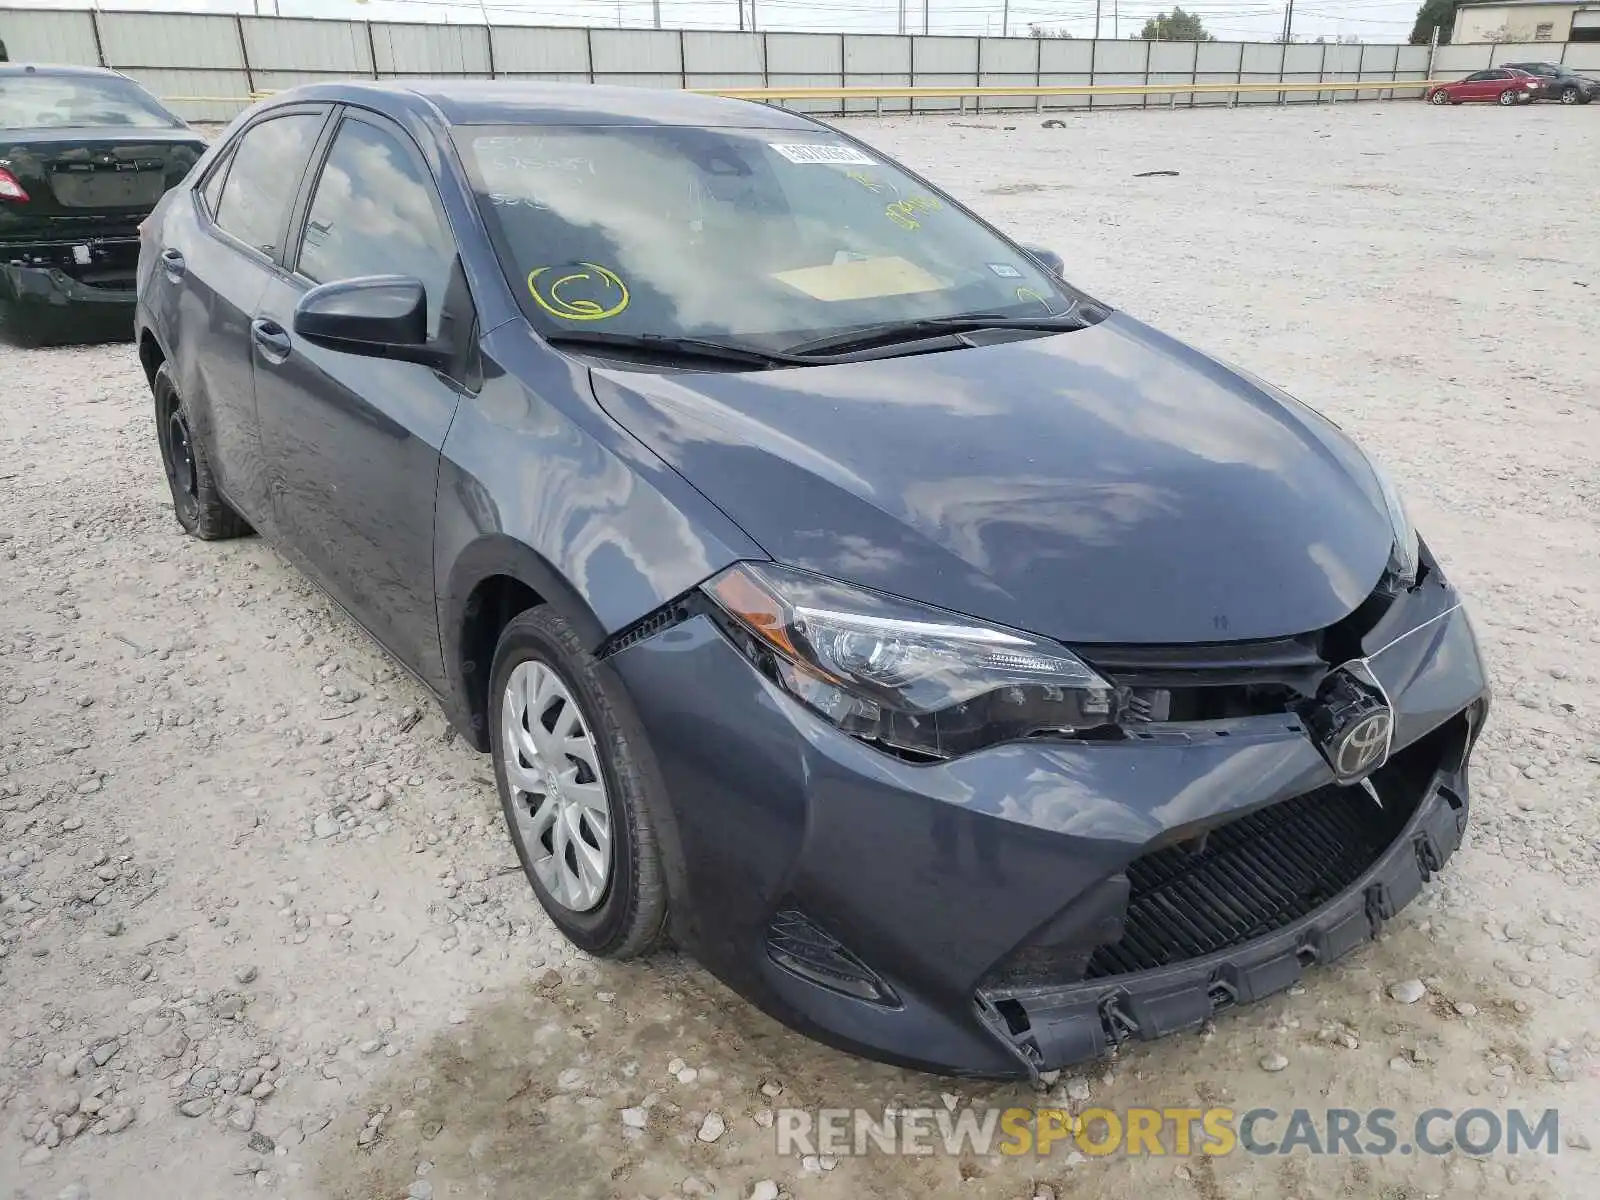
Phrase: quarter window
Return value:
(373, 213)
(268, 163)
(212, 191)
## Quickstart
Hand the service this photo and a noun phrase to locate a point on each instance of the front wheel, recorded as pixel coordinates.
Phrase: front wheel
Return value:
(567, 763)
(196, 502)
(1571, 95)
(1508, 98)
(1440, 97)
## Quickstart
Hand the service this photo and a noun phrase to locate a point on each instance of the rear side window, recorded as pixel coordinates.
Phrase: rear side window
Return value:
(268, 161)
(373, 213)
(211, 193)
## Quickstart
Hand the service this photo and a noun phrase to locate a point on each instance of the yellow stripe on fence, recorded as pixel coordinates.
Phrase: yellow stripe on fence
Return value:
(1024, 91)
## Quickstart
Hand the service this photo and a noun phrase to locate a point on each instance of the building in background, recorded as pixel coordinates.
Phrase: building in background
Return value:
(1526, 21)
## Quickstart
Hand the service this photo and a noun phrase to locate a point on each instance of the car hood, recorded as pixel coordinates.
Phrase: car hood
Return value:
(1106, 485)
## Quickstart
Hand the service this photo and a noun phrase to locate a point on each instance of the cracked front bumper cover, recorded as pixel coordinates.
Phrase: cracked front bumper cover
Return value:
(1062, 1026)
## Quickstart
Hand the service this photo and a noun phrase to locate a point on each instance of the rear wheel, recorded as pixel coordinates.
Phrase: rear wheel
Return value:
(1571, 95)
(1439, 97)
(198, 505)
(1508, 98)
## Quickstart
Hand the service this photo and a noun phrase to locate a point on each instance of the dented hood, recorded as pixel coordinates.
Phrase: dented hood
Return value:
(1104, 485)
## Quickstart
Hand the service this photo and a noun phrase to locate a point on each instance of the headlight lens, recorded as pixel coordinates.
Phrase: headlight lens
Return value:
(913, 678)
(1404, 558)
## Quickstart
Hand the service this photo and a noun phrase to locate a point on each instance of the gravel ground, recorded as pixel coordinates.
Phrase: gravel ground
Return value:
(260, 930)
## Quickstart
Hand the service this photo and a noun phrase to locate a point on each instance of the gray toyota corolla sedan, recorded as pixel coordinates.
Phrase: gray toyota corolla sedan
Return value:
(969, 674)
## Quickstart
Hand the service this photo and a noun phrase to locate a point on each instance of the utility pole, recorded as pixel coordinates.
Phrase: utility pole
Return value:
(753, 25)
(741, 16)
(1005, 19)
(925, 4)
(1116, 20)
(900, 6)
(655, 12)
(1097, 20)
(1288, 22)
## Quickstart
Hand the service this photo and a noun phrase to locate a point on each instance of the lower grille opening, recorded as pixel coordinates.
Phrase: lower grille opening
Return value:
(1234, 883)
(1248, 878)
(796, 944)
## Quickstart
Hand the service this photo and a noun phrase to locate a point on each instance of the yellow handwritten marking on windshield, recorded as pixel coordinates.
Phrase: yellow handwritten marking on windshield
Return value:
(872, 185)
(1025, 294)
(904, 212)
(563, 295)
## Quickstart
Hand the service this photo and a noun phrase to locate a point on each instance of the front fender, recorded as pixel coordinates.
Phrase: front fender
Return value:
(538, 484)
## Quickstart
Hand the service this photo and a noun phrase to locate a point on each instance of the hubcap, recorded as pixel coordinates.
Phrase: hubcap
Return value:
(180, 454)
(558, 794)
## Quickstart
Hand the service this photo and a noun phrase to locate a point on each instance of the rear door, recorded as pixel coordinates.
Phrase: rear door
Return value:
(355, 441)
(212, 274)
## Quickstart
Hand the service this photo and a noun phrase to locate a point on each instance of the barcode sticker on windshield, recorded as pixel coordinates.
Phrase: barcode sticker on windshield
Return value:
(813, 152)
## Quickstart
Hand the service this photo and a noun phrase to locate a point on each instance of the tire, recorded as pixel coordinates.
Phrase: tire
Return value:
(1571, 95)
(1439, 97)
(1508, 98)
(627, 917)
(198, 505)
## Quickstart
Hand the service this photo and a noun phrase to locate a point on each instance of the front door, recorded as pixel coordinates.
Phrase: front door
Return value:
(354, 441)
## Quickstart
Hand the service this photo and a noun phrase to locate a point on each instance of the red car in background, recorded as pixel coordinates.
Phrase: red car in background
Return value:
(1503, 85)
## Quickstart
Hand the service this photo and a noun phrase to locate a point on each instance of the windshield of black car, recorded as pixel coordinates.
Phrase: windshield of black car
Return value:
(79, 102)
(768, 237)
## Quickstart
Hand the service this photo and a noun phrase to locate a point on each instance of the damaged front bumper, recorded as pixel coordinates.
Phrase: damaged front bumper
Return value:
(1030, 905)
(67, 293)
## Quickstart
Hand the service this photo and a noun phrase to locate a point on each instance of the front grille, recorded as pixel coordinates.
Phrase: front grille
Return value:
(1248, 878)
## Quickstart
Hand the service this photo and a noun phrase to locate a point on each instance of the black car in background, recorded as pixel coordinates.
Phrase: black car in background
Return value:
(1557, 82)
(85, 154)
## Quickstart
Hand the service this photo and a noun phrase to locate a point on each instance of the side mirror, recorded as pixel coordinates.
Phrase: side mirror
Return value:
(1048, 259)
(384, 316)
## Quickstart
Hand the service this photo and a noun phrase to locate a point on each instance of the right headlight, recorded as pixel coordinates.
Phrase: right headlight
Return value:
(1405, 557)
(911, 677)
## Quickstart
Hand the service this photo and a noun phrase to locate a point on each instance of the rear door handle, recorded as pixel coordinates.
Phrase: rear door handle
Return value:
(172, 262)
(271, 339)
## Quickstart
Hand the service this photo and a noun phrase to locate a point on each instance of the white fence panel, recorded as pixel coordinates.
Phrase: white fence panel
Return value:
(287, 44)
(49, 37)
(876, 54)
(636, 52)
(722, 53)
(1582, 56)
(169, 40)
(1461, 60)
(1009, 56)
(544, 52)
(430, 49)
(797, 54)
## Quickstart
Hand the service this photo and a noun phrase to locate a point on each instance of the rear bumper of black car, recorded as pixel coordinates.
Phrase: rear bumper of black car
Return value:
(48, 296)
(1029, 905)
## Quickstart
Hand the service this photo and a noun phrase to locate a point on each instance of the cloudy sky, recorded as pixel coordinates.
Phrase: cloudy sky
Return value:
(1370, 20)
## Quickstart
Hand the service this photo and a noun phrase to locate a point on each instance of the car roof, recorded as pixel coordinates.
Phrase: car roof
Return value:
(15, 68)
(515, 102)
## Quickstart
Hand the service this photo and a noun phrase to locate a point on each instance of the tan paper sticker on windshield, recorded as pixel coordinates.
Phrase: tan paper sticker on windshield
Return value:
(828, 155)
(863, 280)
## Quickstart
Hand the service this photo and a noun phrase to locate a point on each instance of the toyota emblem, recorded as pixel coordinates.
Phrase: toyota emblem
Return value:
(1363, 746)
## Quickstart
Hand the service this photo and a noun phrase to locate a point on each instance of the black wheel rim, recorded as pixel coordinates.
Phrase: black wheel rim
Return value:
(180, 462)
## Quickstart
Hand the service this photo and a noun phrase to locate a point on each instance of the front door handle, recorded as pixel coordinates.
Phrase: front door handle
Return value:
(172, 262)
(271, 339)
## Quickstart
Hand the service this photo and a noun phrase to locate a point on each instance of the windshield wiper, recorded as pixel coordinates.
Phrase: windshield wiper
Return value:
(891, 332)
(677, 347)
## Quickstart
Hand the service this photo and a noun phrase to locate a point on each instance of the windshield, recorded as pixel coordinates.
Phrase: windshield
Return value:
(79, 101)
(770, 237)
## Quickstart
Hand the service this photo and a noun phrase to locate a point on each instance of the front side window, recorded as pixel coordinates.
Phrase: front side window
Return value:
(268, 163)
(43, 101)
(773, 236)
(373, 213)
